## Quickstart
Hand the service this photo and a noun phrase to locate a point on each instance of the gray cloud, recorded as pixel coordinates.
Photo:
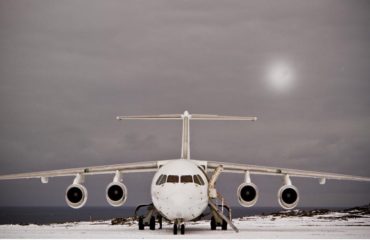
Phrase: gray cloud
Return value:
(68, 68)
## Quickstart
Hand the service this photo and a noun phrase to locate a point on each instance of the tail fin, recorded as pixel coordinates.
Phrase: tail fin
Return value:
(186, 117)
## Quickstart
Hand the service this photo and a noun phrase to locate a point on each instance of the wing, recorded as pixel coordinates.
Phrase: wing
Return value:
(262, 170)
(105, 169)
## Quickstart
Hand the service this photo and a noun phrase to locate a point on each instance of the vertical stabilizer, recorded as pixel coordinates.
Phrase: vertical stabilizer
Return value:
(185, 145)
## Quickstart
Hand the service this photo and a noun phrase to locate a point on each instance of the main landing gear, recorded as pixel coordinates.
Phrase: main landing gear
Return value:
(151, 223)
(216, 220)
(177, 227)
(220, 223)
(148, 219)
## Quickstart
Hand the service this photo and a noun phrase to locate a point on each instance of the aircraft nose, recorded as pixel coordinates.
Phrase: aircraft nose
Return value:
(178, 200)
(179, 205)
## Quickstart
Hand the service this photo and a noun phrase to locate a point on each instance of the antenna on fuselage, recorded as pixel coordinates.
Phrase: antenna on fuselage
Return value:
(186, 117)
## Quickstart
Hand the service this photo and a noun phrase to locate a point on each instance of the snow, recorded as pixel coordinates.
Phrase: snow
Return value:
(330, 225)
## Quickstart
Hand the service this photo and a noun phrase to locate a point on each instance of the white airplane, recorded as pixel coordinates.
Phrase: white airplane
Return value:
(181, 190)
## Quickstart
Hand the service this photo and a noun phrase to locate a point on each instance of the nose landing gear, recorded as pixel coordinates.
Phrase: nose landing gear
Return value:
(177, 226)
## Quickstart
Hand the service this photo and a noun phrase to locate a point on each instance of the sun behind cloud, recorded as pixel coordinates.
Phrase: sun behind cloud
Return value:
(280, 77)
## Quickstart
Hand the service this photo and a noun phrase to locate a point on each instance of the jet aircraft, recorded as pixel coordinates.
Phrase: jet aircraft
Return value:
(182, 189)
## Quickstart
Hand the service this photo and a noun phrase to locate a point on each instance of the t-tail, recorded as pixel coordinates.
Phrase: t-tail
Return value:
(186, 117)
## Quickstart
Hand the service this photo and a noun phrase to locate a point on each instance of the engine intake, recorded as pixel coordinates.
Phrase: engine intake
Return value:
(116, 194)
(288, 196)
(247, 194)
(76, 196)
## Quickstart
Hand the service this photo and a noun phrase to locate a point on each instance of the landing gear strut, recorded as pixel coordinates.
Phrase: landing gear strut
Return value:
(159, 217)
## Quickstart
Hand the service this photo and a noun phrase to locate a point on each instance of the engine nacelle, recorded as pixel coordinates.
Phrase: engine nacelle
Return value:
(288, 196)
(116, 194)
(247, 194)
(76, 196)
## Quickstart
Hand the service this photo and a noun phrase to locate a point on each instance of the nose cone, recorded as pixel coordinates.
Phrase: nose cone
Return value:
(180, 205)
(180, 201)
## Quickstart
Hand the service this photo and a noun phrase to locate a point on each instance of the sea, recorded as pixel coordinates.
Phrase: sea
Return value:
(48, 215)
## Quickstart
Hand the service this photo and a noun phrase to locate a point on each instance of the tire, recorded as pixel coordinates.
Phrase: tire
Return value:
(141, 223)
(152, 223)
(224, 225)
(182, 229)
(213, 223)
(174, 229)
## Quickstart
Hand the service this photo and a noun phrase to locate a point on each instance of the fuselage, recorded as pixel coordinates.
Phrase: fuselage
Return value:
(179, 190)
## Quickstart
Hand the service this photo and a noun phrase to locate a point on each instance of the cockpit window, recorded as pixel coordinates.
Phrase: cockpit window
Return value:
(161, 179)
(198, 180)
(186, 179)
(173, 179)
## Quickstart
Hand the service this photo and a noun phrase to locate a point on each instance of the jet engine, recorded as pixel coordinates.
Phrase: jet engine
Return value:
(247, 194)
(116, 192)
(288, 195)
(76, 195)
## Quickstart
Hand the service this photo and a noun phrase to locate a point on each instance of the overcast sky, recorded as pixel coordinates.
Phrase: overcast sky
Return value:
(68, 68)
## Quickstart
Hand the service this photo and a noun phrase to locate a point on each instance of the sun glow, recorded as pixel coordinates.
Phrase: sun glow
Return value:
(280, 77)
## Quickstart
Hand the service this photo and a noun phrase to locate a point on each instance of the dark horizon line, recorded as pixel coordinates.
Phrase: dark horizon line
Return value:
(236, 206)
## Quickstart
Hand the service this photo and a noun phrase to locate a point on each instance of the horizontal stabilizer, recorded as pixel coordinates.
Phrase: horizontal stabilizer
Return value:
(152, 117)
(181, 116)
(186, 117)
(220, 117)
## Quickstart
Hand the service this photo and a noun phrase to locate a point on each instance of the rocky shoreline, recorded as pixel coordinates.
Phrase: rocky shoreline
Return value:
(345, 214)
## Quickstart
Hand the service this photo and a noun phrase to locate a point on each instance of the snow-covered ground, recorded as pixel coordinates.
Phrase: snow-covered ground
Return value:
(329, 225)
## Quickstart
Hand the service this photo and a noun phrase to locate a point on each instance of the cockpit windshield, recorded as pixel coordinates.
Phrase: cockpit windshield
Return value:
(161, 180)
(172, 179)
(198, 180)
(186, 179)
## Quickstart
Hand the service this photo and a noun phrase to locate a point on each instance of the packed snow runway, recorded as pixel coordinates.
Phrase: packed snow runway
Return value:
(327, 225)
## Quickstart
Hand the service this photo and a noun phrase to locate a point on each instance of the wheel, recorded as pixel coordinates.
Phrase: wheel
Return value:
(224, 225)
(213, 223)
(175, 229)
(182, 229)
(152, 223)
(141, 223)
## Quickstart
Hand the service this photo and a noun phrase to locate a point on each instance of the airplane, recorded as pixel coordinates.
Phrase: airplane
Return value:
(182, 189)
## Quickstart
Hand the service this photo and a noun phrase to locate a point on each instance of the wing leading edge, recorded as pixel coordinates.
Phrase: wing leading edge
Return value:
(104, 169)
(262, 170)
(152, 166)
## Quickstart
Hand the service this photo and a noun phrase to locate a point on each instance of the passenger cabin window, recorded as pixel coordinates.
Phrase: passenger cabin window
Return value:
(198, 180)
(186, 179)
(161, 179)
(173, 179)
